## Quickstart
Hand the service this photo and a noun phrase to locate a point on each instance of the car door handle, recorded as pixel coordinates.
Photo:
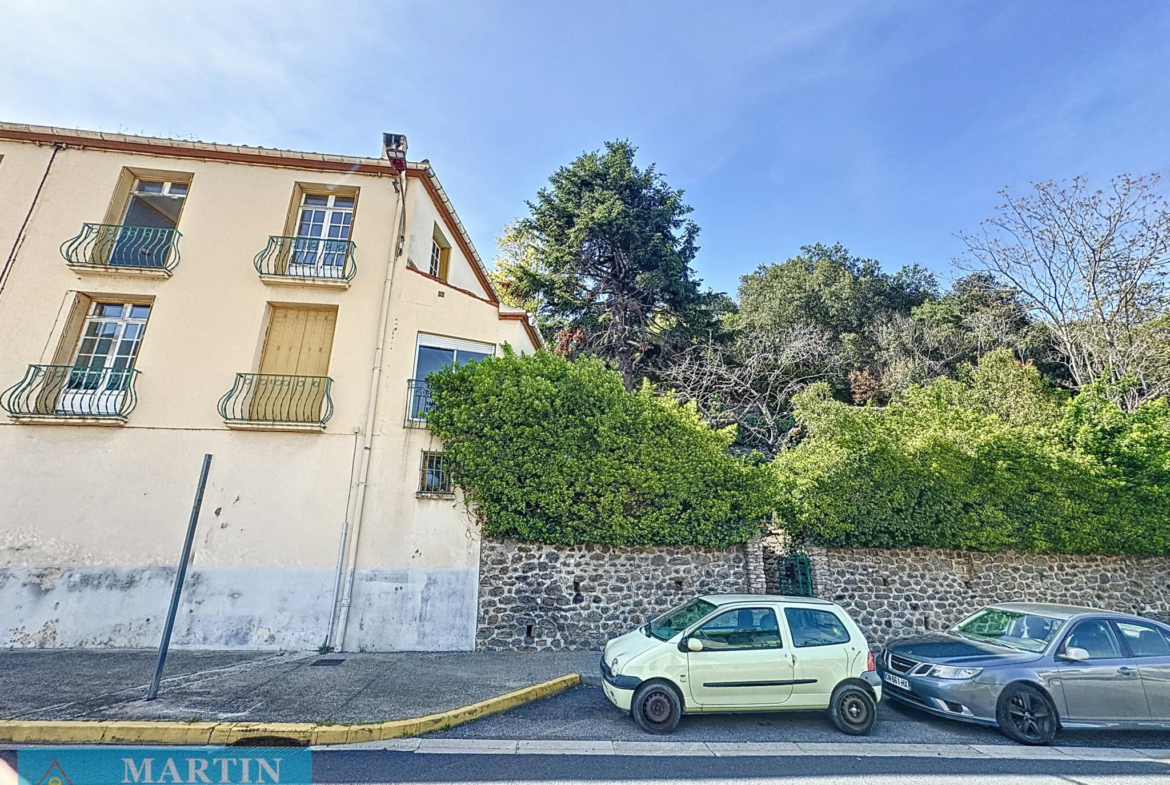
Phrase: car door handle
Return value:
(1125, 670)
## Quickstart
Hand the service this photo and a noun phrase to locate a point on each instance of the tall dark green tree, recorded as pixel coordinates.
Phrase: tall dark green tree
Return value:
(606, 262)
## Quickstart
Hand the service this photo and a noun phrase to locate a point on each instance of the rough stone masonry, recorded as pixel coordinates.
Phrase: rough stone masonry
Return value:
(893, 593)
(536, 596)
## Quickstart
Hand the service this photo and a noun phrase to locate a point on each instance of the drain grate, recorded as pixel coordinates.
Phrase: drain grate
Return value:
(327, 662)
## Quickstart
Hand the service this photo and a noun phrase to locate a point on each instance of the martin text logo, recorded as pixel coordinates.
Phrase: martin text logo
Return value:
(164, 766)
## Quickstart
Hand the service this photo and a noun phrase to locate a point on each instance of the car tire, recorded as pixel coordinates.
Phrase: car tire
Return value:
(1025, 714)
(852, 710)
(656, 707)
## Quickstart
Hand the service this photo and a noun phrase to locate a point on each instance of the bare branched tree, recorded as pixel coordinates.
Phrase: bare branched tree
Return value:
(1093, 266)
(750, 383)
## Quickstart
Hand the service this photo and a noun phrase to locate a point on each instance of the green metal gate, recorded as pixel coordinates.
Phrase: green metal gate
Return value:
(796, 578)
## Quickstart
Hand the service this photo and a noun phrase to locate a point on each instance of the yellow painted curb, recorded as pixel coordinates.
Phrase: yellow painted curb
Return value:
(184, 733)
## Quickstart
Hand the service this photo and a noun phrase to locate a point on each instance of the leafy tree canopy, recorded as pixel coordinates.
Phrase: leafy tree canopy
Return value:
(604, 259)
(992, 460)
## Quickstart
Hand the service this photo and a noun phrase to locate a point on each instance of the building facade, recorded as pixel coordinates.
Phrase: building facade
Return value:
(161, 300)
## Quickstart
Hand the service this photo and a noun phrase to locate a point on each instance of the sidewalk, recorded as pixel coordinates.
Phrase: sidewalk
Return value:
(217, 686)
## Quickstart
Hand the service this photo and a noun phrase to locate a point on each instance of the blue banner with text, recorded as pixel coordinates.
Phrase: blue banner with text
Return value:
(164, 765)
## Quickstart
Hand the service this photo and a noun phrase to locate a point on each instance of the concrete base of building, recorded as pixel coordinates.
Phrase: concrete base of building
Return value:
(245, 607)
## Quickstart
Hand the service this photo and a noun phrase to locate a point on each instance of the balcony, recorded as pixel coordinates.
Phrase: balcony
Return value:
(277, 402)
(67, 394)
(313, 261)
(418, 403)
(123, 250)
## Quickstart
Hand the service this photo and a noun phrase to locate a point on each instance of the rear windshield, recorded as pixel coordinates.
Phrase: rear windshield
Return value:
(1026, 631)
(673, 622)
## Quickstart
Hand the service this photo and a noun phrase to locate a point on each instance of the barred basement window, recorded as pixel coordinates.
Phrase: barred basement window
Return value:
(434, 478)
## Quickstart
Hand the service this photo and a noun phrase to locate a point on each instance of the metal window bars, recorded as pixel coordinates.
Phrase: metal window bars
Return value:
(278, 398)
(434, 475)
(72, 391)
(116, 245)
(308, 257)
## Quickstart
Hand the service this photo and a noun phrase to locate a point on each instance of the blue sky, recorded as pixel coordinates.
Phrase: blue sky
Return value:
(887, 126)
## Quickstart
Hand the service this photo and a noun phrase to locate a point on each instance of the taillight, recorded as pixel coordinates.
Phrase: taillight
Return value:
(870, 665)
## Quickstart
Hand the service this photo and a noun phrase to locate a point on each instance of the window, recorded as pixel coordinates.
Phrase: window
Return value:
(322, 235)
(147, 225)
(1096, 637)
(435, 353)
(1144, 640)
(440, 255)
(105, 355)
(815, 628)
(1009, 628)
(434, 477)
(673, 622)
(744, 628)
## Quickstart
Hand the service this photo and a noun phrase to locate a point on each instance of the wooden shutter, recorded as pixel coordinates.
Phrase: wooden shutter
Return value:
(299, 341)
(71, 335)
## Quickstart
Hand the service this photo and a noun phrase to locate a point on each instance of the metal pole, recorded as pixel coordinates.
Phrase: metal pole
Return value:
(152, 693)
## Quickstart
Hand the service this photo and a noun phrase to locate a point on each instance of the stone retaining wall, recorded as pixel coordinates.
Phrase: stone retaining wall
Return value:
(892, 593)
(536, 596)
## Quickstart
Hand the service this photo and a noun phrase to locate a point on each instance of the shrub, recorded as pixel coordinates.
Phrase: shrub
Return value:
(990, 461)
(553, 451)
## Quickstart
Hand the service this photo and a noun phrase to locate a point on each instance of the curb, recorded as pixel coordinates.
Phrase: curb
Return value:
(186, 733)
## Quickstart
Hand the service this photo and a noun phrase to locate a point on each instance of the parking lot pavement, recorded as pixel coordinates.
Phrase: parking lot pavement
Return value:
(585, 714)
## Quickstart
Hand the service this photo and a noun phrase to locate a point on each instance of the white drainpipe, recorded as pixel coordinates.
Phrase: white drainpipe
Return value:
(371, 413)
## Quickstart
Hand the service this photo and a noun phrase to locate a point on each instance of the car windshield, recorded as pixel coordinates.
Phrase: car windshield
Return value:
(673, 622)
(1015, 629)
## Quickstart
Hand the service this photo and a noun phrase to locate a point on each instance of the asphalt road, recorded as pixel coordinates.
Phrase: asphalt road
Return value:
(584, 713)
(399, 767)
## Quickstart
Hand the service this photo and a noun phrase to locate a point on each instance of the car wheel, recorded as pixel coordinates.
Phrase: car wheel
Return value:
(1025, 714)
(656, 708)
(852, 710)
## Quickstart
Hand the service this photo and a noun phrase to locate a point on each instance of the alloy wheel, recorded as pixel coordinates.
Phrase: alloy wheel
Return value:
(1031, 716)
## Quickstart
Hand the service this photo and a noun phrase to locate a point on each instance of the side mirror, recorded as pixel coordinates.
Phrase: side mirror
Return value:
(694, 644)
(1074, 654)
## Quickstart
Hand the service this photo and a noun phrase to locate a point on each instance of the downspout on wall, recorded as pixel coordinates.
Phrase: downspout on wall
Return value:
(10, 263)
(395, 149)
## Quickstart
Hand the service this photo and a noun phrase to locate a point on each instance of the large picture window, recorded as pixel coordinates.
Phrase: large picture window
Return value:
(433, 354)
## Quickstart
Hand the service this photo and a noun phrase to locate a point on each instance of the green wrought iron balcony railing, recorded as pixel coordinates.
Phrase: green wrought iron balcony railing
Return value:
(275, 399)
(142, 248)
(418, 403)
(53, 391)
(314, 258)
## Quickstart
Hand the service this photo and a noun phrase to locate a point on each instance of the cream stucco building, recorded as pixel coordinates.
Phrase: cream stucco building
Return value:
(163, 299)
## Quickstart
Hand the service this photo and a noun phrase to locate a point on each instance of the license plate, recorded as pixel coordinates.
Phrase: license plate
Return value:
(897, 681)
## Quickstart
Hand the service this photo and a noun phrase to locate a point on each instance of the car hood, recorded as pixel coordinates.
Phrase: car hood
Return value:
(947, 649)
(626, 647)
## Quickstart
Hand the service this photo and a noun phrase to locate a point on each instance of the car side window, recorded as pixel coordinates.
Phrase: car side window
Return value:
(1096, 637)
(1144, 640)
(815, 628)
(743, 628)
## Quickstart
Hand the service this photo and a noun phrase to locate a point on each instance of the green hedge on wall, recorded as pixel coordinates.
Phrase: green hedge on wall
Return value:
(990, 461)
(559, 452)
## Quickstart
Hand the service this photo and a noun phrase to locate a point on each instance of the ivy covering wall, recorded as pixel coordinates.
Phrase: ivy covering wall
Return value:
(553, 451)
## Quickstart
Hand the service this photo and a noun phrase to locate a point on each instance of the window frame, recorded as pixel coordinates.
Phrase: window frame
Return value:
(1122, 646)
(446, 488)
(439, 262)
(1128, 650)
(720, 611)
(792, 635)
(126, 185)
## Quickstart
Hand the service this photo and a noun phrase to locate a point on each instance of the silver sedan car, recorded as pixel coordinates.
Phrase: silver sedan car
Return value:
(1032, 668)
